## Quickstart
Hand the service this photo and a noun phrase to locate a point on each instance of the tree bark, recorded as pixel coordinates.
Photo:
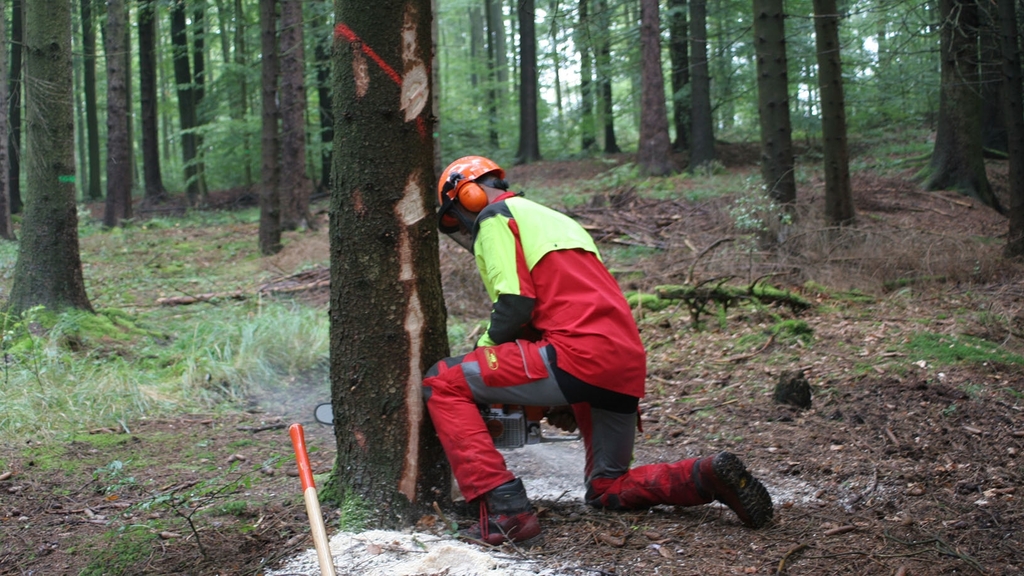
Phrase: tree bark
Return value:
(295, 187)
(323, 88)
(14, 105)
(186, 99)
(48, 271)
(679, 56)
(957, 158)
(119, 167)
(838, 195)
(773, 101)
(242, 106)
(199, 91)
(270, 170)
(153, 181)
(654, 149)
(529, 141)
(1014, 106)
(6, 225)
(702, 133)
(584, 43)
(604, 75)
(93, 189)
(496, 67)
(387, 308)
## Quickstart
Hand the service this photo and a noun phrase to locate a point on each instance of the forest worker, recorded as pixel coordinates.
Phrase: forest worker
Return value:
(560, 333)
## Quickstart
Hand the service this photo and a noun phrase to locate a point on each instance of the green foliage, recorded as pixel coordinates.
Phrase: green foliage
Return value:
(76, 370)
(754, 212)
(113, 477)
(945, 349)
(791, 330)
(128, 548)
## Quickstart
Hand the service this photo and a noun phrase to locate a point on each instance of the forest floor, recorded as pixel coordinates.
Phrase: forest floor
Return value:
(909, 460)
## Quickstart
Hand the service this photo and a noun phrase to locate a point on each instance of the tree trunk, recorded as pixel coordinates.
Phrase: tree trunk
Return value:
(584, 43)
(270, 170)
(702, 133)
(1014, 105)
(49, 269)
(92, 126)
(680, 59)
(604, 75)
(153, 181)
(556, 66)
(957, 161)
(323, 88)
(496, 66)
(295, 187)
(529, 142)
(387, 308)
(654, 149)
(6, 225)
(993, 109)
(242, 106)
(838, 195)
(119, 167)
(186, 99)
(773, 101)
(199, 91)
(14, 105)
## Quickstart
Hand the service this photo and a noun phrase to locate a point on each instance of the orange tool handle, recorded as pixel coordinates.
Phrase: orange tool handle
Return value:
(299, 443)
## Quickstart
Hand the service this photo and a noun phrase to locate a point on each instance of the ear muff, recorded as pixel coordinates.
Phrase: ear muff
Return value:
(471, 196)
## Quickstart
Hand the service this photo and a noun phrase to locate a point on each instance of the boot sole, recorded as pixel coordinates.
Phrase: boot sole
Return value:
(752, 502)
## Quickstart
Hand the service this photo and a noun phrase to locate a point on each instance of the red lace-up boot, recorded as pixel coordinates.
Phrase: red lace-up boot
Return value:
(505, 515)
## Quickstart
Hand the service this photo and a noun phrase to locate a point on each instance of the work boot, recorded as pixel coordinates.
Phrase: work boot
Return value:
(505, 515)
(724, 478)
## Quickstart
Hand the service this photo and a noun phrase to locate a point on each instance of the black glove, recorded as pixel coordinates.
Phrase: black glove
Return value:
(562, 417)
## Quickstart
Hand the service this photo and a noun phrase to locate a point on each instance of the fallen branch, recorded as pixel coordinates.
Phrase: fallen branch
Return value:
(790, 552)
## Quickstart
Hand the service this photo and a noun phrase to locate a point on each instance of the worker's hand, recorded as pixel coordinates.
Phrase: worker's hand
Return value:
(562, 417)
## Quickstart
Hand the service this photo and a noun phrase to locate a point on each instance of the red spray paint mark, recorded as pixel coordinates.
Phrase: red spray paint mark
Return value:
(343, 31)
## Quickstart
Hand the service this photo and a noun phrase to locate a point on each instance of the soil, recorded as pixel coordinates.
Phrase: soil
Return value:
(903, 464)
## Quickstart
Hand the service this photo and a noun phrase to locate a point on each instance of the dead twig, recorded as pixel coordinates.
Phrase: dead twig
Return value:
(790, 552)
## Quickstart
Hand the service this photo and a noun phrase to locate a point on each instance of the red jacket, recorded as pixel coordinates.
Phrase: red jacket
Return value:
(543, 270)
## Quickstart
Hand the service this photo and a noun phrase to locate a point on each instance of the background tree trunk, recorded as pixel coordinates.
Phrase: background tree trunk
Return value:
(49, 269)
(654, 148)
(584, 43)
(119, 167)
(270, 170)
(1014, 103)
(14, 104)
(153, 181)
(242, 107)
(323, 88)
(6, 225)
(92, 187)
(702, 133)
(603, 49)
(295, 187)
(199, 91)
(496, 66)
(679, 56)
(773, 101)
(186, 99)
(529, 142)
(387, 308)
(957, 159)
(838, 195)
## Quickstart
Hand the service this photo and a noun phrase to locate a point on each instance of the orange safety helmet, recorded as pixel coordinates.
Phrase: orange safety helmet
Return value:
(457, 184)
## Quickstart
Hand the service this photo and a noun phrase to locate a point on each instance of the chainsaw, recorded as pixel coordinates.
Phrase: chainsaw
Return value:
(510, 425)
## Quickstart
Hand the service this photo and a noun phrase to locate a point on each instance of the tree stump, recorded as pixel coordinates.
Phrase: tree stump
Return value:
(794, 389)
